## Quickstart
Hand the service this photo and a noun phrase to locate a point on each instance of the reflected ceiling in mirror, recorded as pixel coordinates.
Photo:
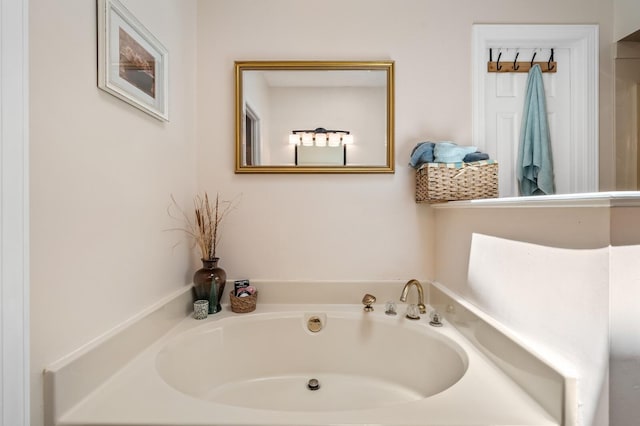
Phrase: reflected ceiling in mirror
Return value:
(314, 117)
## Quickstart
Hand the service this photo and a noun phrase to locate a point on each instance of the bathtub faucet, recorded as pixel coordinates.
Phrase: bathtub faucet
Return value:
(418, 286)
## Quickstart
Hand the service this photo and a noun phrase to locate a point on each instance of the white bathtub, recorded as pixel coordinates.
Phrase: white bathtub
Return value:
(253, 369)
(361, 361)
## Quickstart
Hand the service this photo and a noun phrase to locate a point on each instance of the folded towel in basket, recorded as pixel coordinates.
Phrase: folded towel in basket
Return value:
(421, 154)
(449, 152)
(475, 156)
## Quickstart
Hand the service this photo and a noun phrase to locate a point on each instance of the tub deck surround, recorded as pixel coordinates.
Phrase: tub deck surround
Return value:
(529, 366)
(72, 378)
(590, 199)
(138, 393)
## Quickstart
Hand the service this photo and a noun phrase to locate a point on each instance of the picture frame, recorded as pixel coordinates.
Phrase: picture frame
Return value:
(132, 63)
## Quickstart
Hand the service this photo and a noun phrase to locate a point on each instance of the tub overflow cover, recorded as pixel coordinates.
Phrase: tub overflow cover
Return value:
(313, 384)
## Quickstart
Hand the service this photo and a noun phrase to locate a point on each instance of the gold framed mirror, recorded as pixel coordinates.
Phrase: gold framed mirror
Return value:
(314, 117)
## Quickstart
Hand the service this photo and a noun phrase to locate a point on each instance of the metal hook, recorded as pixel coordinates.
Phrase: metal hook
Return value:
(533, 58)
(549, 66)
(490, 55)
(515, 62)
(498, 66)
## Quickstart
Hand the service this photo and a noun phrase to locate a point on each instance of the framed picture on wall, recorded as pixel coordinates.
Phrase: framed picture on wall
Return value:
(132, 64)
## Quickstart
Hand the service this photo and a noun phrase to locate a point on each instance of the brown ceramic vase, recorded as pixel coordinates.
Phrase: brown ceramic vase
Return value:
(209, 277)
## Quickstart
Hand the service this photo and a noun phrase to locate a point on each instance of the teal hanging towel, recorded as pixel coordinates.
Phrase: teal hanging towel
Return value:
(534, 168)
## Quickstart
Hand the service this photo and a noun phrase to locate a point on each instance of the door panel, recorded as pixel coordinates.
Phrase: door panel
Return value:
(504, 101)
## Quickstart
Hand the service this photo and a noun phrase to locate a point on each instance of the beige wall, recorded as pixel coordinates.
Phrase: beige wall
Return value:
(627, 18)
(354, 227)
(101, 176)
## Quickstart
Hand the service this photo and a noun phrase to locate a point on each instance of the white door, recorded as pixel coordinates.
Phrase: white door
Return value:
(572, 100)
(504, 101)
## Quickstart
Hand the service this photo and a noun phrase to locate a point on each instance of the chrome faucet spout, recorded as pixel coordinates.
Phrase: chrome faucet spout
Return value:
(414, 283)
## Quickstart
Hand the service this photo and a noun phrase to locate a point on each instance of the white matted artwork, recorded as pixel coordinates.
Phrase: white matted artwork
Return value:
(132, 64)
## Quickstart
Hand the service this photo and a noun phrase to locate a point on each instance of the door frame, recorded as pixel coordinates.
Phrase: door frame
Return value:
(582, 40)
(14, 213)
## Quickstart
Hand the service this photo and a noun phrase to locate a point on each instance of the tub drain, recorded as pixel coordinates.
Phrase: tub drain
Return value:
(313, 384)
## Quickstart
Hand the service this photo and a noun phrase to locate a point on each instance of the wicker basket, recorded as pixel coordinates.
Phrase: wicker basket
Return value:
(440, 182)
(242, 305)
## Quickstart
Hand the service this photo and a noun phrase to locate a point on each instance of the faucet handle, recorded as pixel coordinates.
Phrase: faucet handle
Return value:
(435, 320)
(367, 301)
(413, 312)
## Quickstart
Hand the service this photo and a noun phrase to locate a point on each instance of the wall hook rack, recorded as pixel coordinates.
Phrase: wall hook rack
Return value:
(515, 66)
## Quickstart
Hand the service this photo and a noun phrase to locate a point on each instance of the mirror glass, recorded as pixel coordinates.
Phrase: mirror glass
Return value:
(314, 117)
(627, 113)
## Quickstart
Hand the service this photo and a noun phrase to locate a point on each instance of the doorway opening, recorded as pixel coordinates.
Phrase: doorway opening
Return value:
(251, 137)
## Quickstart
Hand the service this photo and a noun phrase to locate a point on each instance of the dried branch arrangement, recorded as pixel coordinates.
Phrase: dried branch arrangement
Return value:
(204, 226)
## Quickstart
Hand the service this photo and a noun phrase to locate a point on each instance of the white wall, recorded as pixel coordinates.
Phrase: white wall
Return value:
(101, 177)
(626, 18)
(545, 274)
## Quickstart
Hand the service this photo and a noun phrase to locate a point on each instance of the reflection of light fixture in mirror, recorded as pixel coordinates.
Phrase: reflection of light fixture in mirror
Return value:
(320, 137)
(334, 139)
(307, 139)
